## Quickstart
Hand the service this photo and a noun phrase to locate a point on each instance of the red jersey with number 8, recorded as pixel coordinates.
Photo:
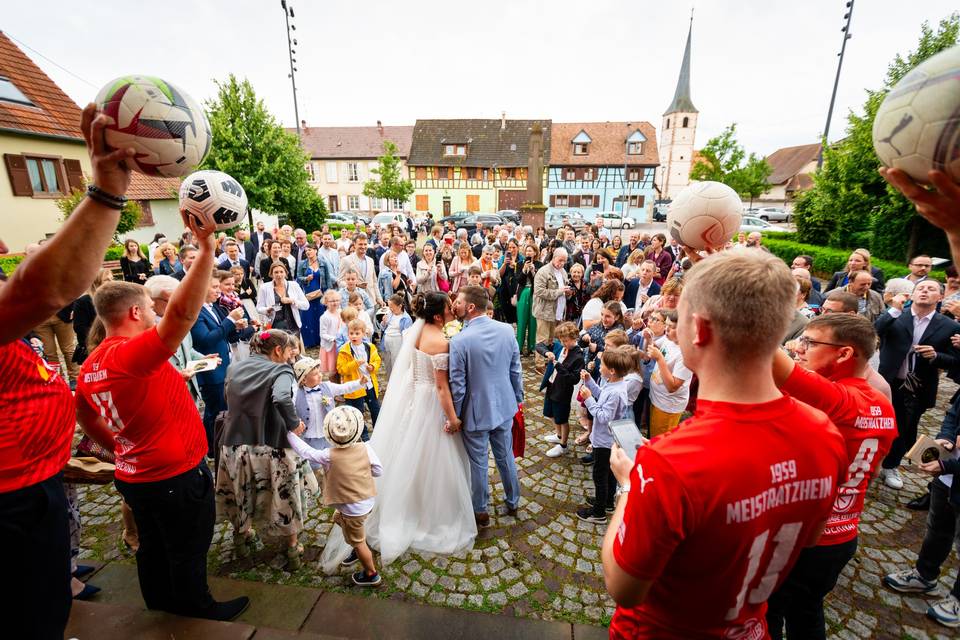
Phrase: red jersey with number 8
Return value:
(132, 385)
(866, 420)
(718, 512)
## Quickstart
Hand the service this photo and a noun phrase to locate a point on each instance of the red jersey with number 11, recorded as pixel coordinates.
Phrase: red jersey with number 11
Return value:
(865, 418)
(718, 512)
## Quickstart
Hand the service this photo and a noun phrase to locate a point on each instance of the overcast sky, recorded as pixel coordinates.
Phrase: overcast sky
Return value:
(768, 65)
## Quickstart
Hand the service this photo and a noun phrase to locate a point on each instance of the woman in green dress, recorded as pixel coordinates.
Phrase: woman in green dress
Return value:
(526, 323)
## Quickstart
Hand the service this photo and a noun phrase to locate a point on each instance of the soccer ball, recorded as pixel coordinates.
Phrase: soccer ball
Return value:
(168, 130)
(343, 425)
(705, 214)
(212, 198)
(917, 128)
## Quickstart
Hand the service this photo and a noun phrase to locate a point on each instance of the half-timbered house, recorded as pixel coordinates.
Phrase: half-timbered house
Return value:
(602, 166)
(471, 165)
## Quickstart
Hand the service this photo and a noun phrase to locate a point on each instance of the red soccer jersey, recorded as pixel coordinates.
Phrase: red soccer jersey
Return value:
(38, 417)
(718, 512)
(865, 418)
(132, 385)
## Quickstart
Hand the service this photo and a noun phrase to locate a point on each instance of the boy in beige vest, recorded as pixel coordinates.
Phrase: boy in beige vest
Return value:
(349, 469)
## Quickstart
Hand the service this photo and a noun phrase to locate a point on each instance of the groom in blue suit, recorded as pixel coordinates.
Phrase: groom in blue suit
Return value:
(484, 369)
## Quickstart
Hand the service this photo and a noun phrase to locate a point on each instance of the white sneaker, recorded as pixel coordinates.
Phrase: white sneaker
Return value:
(946, 612)
(552, 438)
(891, 478)
(909, 581)
(557, 451)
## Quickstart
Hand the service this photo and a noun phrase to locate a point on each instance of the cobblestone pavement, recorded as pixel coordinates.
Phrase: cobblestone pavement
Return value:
(546, 564)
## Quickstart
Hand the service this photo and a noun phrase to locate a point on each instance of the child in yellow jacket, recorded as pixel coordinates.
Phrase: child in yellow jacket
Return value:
(350, 358)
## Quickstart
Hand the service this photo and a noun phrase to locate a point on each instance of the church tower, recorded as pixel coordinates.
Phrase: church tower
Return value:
(677, 132)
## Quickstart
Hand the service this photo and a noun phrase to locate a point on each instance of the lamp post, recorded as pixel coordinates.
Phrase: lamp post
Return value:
(625, 210)
(833, 96)
(287, 14)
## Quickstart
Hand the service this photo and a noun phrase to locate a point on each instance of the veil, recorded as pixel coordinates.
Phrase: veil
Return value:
(388, 433)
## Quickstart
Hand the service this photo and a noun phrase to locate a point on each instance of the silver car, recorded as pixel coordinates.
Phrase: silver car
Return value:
(771, 214)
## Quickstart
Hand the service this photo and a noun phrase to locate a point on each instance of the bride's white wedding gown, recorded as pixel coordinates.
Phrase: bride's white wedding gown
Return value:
(423, 497)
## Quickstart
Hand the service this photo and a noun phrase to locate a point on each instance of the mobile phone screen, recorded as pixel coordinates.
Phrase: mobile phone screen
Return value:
(627, 435)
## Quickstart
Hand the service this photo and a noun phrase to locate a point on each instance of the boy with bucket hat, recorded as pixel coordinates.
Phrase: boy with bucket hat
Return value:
(314, 399)
(349, 466)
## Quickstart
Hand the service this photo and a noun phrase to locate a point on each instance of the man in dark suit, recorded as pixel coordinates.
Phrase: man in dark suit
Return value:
(260, 235)
(914, 346)
(211, 333)
(247, 248)
(231, 258)
(624, 254)
(188, 253)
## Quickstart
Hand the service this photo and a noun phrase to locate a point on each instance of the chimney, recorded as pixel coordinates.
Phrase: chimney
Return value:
(503, 120)
(380, 127)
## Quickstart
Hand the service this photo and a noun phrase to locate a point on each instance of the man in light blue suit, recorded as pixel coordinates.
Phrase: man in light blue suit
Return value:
(486, 387)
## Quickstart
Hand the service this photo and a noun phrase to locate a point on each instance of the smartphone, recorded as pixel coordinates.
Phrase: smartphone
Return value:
(627, 436)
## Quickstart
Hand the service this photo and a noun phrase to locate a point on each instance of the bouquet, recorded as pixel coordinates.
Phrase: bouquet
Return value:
(451, 329)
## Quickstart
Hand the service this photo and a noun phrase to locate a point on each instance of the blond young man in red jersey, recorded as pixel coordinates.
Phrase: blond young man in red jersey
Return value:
(131, 400)
(830, 374)
(719, 509)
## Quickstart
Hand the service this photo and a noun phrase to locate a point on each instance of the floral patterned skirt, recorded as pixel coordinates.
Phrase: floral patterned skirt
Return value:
(262, 485)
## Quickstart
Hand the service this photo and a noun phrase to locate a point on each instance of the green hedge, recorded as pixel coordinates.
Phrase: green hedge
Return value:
(9, 263)
(827, 260)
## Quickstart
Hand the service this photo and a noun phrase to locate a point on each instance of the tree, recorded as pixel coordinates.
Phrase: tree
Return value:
(250, 145)
(129, 215)
(850, 205)
(722, 159)
(389, 184)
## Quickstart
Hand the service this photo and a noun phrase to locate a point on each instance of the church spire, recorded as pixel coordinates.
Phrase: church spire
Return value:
(681, 97)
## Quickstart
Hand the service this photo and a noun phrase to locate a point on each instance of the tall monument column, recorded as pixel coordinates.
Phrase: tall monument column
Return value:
(532, 212)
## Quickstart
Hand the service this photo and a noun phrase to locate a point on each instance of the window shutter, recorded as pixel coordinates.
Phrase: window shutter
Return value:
(19, 178)
(574, 201)
(553, 201)
(146, 216)
(421, 173)
(74, 174)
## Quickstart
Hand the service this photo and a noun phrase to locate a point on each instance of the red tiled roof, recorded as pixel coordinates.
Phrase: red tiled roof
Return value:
(789, 161)
(606, 146)
(143, 187)
(54, 114)
(353, 142)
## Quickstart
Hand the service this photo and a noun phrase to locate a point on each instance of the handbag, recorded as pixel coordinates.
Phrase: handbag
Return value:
(443, 284)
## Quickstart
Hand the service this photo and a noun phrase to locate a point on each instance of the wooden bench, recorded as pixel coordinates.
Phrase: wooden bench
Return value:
(113, 265)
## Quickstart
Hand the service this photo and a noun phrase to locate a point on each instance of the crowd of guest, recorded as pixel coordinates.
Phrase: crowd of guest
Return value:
(194, 374)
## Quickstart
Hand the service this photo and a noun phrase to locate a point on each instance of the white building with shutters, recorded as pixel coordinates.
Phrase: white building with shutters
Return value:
(44, 158)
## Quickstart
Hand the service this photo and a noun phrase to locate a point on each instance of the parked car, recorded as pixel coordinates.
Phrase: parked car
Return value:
(752, 223)
(390, 217)
(340, 217)
(660, 209)
(488, 220)
(615, 220)
(510, 215)
(454, 218)
(556, 218)
(777, 214)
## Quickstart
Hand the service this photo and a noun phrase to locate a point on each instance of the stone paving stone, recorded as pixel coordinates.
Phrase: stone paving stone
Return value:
(98, 620)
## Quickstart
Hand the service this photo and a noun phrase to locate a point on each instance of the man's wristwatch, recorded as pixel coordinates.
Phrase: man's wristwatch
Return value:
(622, 489)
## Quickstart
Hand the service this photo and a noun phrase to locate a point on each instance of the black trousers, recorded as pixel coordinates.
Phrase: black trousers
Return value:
(214, 402)
(175, 520)
(943, 532)
(35, 535)
(370, 400)
(604, 482)
(799, 600)
(908, 411)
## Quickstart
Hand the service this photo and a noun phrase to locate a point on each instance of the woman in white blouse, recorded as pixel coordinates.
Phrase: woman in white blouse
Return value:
(430, 270)
(280, 301)
(459, 267)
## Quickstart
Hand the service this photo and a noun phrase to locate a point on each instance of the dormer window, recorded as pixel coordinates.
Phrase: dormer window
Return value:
(635, 143)
(581, 144)
(10, 93)
(454, 149)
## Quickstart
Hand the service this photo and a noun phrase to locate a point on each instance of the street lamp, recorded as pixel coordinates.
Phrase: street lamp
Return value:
(848, 16)
(625, 209)
(287, 14)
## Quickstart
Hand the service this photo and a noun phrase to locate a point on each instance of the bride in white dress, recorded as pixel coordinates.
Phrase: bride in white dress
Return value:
(423, 497)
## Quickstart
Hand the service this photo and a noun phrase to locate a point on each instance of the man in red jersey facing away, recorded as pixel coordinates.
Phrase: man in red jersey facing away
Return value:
(718, 510)
(133, 401)
(831, 374)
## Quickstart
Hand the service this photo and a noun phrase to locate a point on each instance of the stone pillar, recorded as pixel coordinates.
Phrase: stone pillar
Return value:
(532, 211)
